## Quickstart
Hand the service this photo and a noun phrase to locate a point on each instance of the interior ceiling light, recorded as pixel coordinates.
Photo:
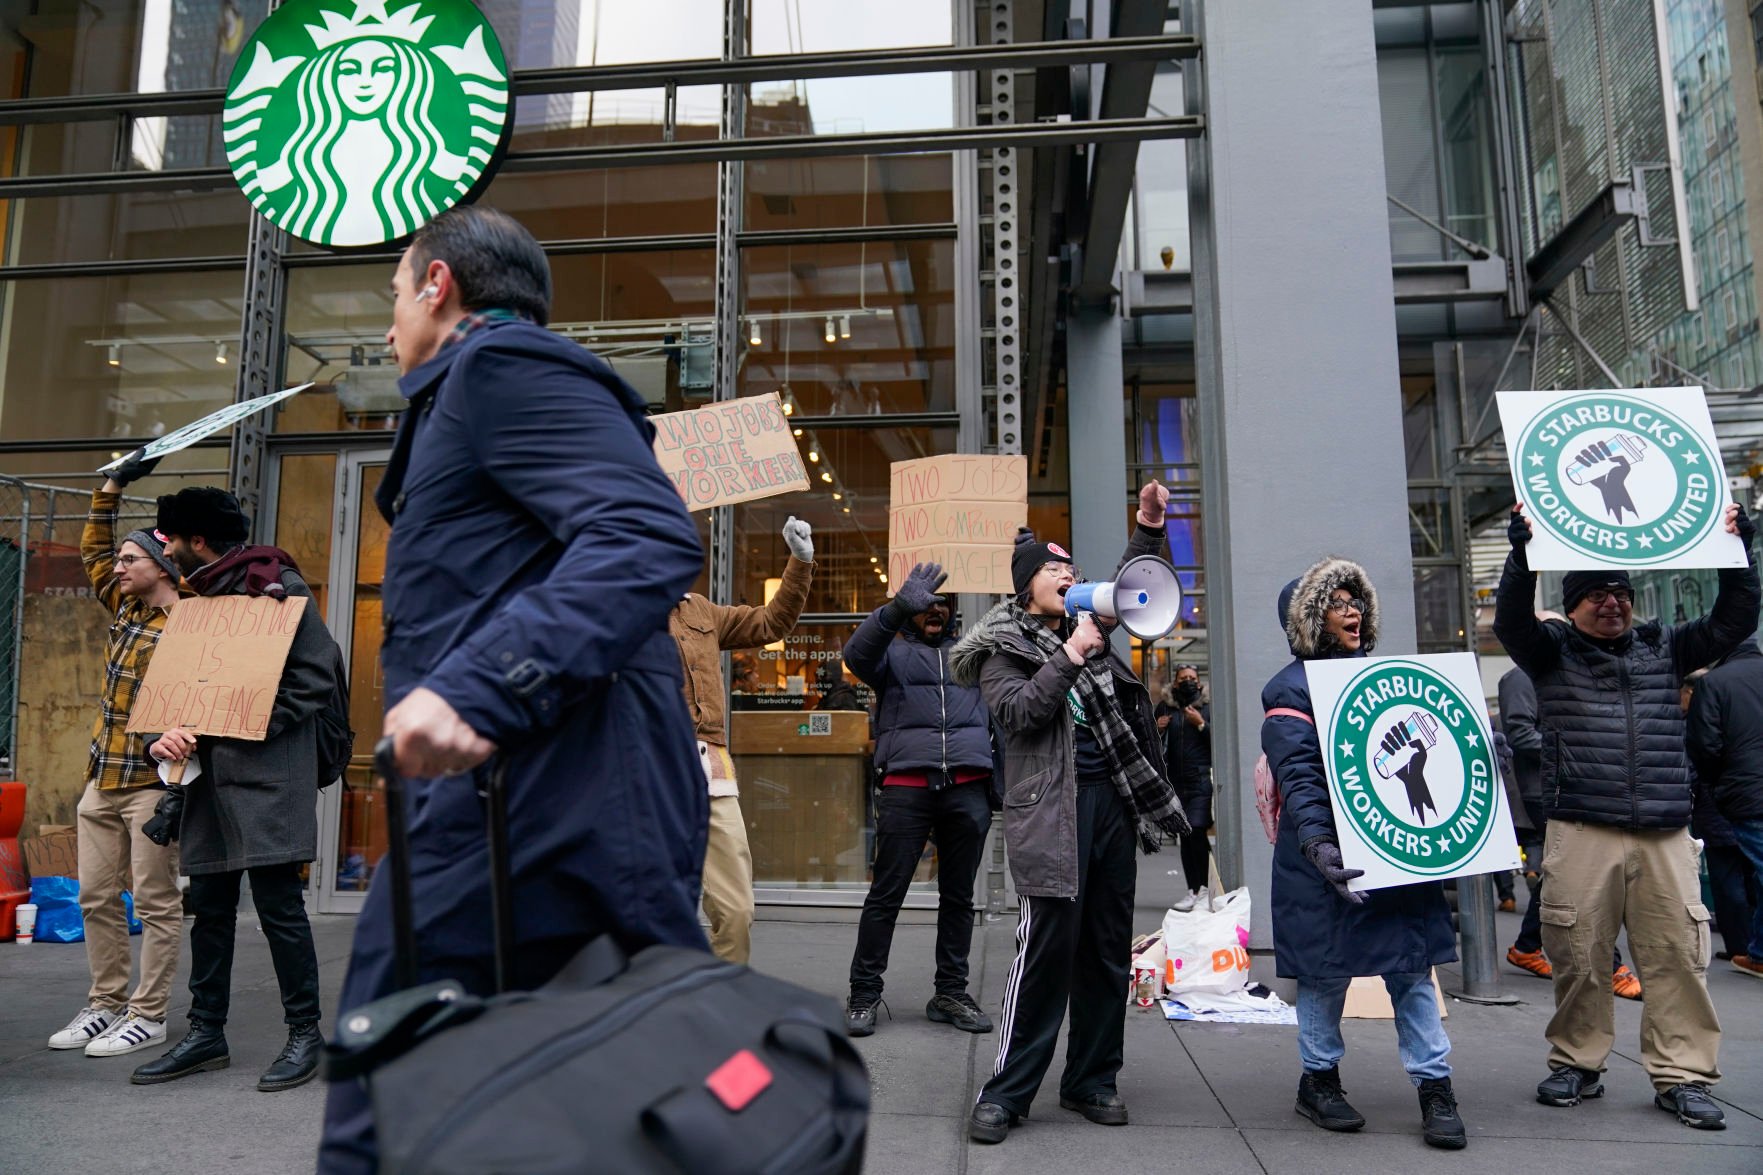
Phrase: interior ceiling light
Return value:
(796, 431)
(873, 559)
(220, 352)
(115, 355)
(845, 326)
(813, 453)
(754, 338)
(838, 497)
(825, 476)
(831, 335)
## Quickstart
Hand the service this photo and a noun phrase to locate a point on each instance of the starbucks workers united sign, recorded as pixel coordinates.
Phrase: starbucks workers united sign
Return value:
(355, 122)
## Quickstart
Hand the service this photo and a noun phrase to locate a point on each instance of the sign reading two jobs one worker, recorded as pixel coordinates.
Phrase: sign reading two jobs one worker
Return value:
(217, 666)
(1621, 478)
(729, 452)
(1411, 771)
(960, 510)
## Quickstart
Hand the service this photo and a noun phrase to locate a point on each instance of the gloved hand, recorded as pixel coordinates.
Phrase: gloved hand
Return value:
(1518, 529)
(799, 538)
(168, 814)
(1325, 854)
(919, 591)
(133, 468)
(1747, 528)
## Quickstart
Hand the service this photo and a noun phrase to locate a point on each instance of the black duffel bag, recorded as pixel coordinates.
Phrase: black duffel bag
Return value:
(669, 1060)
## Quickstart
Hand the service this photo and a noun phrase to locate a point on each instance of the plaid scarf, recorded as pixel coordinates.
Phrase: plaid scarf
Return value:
(1146, 789)
(477, 320)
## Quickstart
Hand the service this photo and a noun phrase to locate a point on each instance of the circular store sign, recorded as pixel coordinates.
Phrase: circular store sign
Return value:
(1415, 772)
(1620, 479)
(349, 125)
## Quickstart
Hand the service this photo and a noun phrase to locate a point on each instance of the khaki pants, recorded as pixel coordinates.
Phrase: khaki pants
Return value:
(114, 856)
(728, 881)
(1597, 880)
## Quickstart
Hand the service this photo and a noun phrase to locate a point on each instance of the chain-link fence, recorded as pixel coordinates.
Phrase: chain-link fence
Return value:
(40, 529)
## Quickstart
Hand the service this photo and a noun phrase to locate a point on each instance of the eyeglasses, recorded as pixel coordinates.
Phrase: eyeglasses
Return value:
(1057, 567)
(1339, 607)
(1598, 597)
(130, 560)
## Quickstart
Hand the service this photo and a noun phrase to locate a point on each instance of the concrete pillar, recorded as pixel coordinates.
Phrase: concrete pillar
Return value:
(1095, 396)
(1295, 356)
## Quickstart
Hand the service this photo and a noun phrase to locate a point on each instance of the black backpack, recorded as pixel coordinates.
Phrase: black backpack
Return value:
(668, 1060)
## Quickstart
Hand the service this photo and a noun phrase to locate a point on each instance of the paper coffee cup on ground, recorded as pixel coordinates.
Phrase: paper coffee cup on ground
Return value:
(26, 917)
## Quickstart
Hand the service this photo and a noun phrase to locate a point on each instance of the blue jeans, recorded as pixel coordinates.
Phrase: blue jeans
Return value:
(1750, 838)
(1419, 1032)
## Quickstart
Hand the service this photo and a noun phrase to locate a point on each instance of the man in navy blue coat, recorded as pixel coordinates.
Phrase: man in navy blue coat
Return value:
(536, 551)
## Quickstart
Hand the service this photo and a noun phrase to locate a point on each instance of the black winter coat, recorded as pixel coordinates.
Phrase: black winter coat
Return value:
(924, 719)
(1726, 735)
(1612, 724)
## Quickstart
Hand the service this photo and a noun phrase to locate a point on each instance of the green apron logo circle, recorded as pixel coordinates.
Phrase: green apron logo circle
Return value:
(1412, 767)
(350, 125)
(1619, 479)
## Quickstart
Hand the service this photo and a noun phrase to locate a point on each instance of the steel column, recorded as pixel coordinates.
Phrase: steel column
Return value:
(260, 357)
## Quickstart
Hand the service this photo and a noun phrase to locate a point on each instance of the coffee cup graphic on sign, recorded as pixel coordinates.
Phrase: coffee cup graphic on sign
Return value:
(1401, 755)
(1606, 464)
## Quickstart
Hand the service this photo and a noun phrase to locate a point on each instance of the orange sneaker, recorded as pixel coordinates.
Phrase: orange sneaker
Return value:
(1532, 961)
(1748, 965)
(1625, 984)
(1508, 906)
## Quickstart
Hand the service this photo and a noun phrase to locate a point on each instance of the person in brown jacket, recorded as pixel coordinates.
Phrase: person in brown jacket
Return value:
(703, 631)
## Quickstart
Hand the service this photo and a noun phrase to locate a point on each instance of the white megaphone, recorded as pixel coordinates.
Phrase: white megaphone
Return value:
(1145, 597)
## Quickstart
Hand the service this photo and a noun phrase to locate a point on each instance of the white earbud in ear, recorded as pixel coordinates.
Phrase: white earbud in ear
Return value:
(427, 294)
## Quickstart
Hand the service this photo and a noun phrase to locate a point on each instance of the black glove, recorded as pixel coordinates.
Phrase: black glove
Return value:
(133, 468)
(1325, 854)
(1518, 530)
(168, 814)
(919, 591)
(1747, 528)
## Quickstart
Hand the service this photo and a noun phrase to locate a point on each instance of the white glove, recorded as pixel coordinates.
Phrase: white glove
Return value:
(799, 538)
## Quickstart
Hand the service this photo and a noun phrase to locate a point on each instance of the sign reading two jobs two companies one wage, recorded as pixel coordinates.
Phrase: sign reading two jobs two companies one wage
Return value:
(960, 510)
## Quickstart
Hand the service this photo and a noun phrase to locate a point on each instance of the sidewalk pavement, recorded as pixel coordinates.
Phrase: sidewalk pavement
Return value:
(1212, 1097)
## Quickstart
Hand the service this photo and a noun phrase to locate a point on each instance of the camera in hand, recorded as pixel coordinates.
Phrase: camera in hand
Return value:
(167, 815)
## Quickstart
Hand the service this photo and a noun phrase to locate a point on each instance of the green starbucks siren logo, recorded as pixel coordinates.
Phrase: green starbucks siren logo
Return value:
(1411, 760)
(350, 125)
(1619, 479)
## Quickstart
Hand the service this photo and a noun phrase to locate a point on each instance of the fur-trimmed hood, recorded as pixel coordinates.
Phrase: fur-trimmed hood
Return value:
(971, 651)
(1303, 601)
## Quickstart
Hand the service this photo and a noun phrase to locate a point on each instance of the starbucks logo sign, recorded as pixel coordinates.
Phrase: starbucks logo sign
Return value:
(349, 123)
(1411, 767)
(1619, 479)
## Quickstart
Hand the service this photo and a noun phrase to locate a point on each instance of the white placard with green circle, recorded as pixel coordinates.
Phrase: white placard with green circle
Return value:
(1411, 770)
(1628, 478)
(352, 123)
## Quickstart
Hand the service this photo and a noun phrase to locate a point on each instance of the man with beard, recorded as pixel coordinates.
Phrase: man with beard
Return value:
(252, 807)
(933, 747)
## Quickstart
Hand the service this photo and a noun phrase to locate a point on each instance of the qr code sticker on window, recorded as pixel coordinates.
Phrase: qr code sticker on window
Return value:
(820, 724)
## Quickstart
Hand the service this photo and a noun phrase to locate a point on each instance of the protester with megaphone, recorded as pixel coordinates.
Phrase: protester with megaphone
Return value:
(1083, 777)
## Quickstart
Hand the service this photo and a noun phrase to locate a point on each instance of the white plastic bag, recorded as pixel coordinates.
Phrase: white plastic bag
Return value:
(1207, 948)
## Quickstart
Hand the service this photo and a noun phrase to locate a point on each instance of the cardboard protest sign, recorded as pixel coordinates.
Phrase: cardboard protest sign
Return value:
(1411, 770)
(730, 452)
(220, 418)
(1629, 478)
(961, 510)
(217, 666)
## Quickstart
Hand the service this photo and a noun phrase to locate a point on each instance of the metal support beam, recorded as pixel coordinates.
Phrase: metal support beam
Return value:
(730, 348)
(260, 358)
(1095, 386)
(1126, 93)
(1584, 235)
(1148, 292)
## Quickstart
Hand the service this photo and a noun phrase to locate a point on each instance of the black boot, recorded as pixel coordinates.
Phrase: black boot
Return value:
(298, 1061)
(204, 1047)
(1440, 1123)
(1322, 1100)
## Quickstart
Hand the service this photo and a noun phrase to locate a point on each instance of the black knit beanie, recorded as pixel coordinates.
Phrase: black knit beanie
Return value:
(1030, 556)
(1576, 584)
(208, 511)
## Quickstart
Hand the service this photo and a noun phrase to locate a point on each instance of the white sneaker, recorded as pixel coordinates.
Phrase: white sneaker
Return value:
(133, 1031)
(91, 1022)
(1186, 905)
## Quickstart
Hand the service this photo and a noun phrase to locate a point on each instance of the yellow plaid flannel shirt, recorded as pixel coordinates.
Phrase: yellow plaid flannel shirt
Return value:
(118, 758)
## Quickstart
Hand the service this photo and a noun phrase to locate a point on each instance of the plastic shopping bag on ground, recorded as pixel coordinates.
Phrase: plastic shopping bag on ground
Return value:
(1207, 948)
(58, 910)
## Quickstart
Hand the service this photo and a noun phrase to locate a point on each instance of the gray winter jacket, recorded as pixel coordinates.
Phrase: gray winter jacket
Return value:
(255, 803)
(1025, 690)
(1612, 727)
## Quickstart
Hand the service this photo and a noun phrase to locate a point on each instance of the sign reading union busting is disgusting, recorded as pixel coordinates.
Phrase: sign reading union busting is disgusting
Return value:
(217, 666)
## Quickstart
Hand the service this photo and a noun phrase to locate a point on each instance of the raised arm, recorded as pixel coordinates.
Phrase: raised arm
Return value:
(1515, 622)
(1706, 639)
(98, 545)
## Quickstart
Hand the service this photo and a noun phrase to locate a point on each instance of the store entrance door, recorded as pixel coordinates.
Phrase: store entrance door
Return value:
(351, 814)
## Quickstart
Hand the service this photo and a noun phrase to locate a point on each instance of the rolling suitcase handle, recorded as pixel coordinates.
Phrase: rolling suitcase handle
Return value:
(495, 794)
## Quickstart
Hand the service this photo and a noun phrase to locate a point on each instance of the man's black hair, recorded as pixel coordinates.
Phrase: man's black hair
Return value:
(495, 260)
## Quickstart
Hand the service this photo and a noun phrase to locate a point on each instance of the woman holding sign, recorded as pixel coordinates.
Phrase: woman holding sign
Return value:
(1324, 933)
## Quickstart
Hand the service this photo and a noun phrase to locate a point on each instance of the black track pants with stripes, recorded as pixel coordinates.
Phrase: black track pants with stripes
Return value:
(1073, 951)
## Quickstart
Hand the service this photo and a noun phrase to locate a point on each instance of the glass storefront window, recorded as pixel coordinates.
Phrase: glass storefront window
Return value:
(850, 192)
(648, 314)
(851, 329)
(119, 46)
(138, 226)
(118, 357)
